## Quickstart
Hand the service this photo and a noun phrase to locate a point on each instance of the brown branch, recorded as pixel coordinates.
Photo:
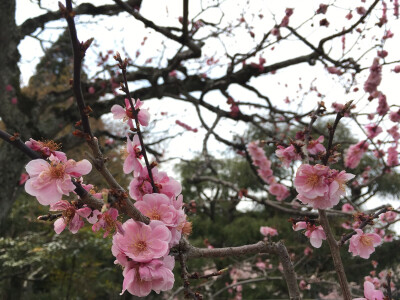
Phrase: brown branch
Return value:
(337, 260)
(79, 50)
(31, 25)
(98, 159)
(350, 29)
(260, 247)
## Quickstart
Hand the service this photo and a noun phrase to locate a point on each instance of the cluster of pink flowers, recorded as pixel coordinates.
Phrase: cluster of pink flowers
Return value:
(143, 249)
(374, 78)
(71, 216)
(355, 153)
(287, 155)
(316, 234)
(383, 106)
(315, 146)
(265, 172)
(373, 130)
(319, 186)
(50, 179)
(393, 157)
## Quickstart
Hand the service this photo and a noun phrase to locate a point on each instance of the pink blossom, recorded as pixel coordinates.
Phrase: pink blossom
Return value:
(337, 187)
(90, 189)
(334, 70)
(132, 162)
(379, 231)
(373, 130)
(49, 181)
(349, 16)
(14, 100)
(347, 207)
(315, 146)
(279, 190)
(338, 107)
(383, 107)
(46, 148)
(393, 157)
(142, 242)
(374, 78)
(396, 69)
(126, 114)
(143, 115)
(261, 161)
(394, 116)
(299, 226)
(140, 278)
(158, 207)
(310, 180)
(355, 153)
(141, 185)
(388, 34)
(23, 178)
(394, 132)
(363, 244)
(389, 216)
(316, 234)
(370, 293)
(308, 251)
(91, 90)
(322, 9)
(382, 53)
(287, 155)
(268, 231)
(9, 88)
(261, 265)
(303, 285)
(388, 238)
(71, 216)
(361, 10)
(107, 220)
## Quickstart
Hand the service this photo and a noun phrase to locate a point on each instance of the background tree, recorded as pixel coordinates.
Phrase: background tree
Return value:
(214, 84)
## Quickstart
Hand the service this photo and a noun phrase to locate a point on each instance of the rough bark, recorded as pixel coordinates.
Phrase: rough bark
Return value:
(11, 161)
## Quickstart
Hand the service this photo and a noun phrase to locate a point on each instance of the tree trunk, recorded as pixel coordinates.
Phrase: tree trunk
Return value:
(11, 160)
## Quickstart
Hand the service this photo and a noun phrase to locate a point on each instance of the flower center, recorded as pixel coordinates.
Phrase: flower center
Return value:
(140, 246)
(52, 145)
(69, 213)
(57, 171)
(155, 215)
(312, 179)
(366, 241)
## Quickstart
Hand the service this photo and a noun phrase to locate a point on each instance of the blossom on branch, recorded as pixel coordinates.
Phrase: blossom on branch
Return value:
(71, 216)
(355, 153)
(141, 185)
(134, 154)
(49, 181)
(140, 278)
(126, 114)
(370, 293)
(363, 244)
(141, 242)
(320, 186)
